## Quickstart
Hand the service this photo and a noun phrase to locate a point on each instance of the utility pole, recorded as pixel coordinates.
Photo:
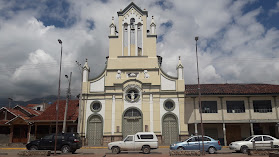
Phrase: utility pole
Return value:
(199, 90)
(67, 102)
(80, 115)
(57, 103)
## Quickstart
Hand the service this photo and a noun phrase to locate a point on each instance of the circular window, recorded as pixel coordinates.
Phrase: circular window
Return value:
(132, 95)
(96, 106)
(169, 105)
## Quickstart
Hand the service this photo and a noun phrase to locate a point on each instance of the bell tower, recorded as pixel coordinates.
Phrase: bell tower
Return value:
(132, 38)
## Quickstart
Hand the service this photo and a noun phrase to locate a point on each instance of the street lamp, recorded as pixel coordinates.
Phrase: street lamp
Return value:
(199, 90)
(67, 102)
(58, 97)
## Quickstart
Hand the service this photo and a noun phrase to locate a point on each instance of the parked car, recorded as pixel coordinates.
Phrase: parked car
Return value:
(195, 143)
(66, 142)
(242, 146)
(141, 141)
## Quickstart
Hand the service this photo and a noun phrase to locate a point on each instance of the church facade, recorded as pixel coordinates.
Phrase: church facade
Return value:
(133, 94)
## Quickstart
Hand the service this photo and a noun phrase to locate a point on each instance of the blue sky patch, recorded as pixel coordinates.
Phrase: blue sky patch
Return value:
(167, 24)
(164, 4)
(264, 17)
(58, 14)
(90, 24)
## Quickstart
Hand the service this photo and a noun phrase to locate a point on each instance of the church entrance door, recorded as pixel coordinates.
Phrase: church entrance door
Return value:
(132, 122)
(170, 129)
(94, 130)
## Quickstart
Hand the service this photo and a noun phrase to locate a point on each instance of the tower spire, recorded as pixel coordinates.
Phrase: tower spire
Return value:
(179, 69)
(153, 26)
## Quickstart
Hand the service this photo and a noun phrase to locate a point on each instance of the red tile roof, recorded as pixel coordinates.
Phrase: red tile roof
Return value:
(232, 89)
(31, 105)
(30, 110)
(16, 112)
(50, 113)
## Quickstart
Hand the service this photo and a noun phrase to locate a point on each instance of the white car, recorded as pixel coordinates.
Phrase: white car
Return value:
(242, 146)
(141, 141)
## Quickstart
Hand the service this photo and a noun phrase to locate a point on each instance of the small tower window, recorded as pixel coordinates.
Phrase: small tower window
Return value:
(132, 23)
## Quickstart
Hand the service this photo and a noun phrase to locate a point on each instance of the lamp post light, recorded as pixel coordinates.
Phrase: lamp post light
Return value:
(58, 98)
(199, 90)
(67, 102)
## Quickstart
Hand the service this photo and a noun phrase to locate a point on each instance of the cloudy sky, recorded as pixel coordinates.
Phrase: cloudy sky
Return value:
(238, 41)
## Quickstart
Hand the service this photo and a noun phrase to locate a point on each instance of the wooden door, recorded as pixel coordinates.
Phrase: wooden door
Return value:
(233, 133)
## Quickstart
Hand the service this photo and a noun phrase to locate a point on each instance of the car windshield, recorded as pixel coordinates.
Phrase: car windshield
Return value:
(248, 138)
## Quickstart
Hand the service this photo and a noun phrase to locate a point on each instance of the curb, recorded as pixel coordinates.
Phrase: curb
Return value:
(107, 147)
(12, 148)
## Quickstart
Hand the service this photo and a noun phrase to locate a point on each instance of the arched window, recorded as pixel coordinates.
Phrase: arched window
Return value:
(125, 35)
(132, 25)
(139, 39)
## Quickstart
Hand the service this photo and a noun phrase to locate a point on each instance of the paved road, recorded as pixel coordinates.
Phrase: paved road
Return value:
(161, 152)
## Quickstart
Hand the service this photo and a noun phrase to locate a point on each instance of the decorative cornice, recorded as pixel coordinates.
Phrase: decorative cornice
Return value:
(132, 4)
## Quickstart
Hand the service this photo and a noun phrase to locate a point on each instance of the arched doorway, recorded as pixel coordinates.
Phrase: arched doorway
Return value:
(132, 122)
(94, 130)
(170, 129)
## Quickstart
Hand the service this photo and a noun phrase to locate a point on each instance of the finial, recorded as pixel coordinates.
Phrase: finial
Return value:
(85, 59)
(179, 57)
(152, 17)
(112, 20)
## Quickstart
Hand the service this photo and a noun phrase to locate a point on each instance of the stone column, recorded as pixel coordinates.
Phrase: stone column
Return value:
(196, 129)
(28, 134)
(250, 117)
(129, 40)
(224, 125)
(136, 40)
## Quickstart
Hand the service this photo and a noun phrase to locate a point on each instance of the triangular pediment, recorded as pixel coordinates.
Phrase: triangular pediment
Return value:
(129, 7)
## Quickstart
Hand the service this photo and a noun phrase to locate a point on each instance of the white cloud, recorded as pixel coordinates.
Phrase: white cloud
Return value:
(275, 10)
(233, 45)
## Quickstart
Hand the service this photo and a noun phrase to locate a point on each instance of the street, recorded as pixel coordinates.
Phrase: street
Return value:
(161, 152)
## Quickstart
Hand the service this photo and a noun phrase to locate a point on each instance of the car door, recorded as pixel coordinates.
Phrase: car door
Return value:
(60, 141)
(267, 141)
(258, 141)
(192, 144)
(47, 142)
(129, 143)
(206, 141)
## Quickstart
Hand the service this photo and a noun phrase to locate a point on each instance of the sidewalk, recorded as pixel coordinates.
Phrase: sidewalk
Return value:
(103, 151)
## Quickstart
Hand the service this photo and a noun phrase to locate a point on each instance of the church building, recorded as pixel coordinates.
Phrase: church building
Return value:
(132, 94)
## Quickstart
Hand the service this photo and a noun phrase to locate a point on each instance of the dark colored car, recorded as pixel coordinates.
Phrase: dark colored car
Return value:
(195, 143)
(66, 142)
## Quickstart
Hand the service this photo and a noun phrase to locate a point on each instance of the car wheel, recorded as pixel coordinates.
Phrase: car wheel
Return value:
(33, 148)
(115, 150)
(65, 149)
(146, 149)
(244, 149)
(73, 151)
(211, 150)
(180, 148)
(276, 146)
